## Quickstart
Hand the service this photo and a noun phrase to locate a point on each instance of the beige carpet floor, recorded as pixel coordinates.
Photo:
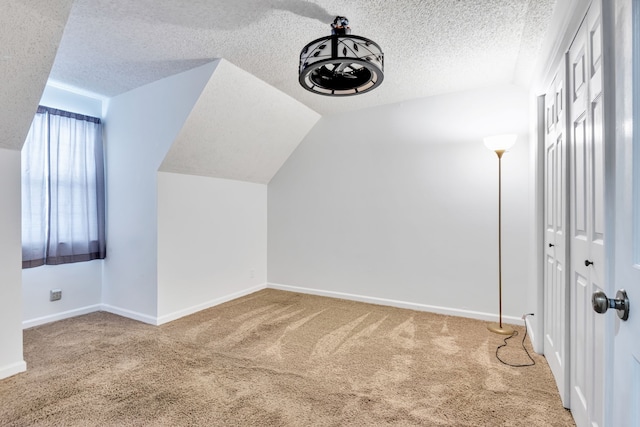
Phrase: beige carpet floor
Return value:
(276, 358)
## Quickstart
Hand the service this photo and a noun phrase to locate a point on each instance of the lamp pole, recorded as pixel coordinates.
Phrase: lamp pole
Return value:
(499, 144)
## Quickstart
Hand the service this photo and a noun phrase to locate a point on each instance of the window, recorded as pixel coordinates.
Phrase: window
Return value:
(63, 208)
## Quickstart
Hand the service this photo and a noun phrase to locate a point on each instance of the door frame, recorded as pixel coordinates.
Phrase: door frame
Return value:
(608, 80)
(626, 349)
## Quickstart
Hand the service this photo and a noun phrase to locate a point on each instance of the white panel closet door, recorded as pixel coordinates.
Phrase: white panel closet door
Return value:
(556, 291)
(587, 220)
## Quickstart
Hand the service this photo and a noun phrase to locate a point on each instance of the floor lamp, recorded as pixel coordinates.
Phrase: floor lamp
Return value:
(500, 144)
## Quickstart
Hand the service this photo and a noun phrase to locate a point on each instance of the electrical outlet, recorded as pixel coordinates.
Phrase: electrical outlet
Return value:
(252, 273)
(55, 294)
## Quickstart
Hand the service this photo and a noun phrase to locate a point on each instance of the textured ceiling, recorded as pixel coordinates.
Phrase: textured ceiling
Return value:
(29, 35)
(430, 46)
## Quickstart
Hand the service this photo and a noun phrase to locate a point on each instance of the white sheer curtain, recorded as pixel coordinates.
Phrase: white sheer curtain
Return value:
(63, 217)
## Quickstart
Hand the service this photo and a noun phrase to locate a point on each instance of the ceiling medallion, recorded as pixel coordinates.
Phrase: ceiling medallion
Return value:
(341, 64)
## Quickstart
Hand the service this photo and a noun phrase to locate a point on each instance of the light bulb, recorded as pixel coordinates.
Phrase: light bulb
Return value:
(500, 142)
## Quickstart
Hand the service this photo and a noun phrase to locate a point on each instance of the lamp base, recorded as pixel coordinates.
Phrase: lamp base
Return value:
(502, 330)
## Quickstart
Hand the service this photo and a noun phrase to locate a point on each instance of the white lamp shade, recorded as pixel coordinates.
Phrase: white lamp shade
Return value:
(500, 142)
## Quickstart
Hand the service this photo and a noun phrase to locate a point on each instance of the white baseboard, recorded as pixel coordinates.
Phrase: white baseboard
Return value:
(153, 320)
(86, 310)
(14, 368)
(400, 304)
(531, 330)
(60, 316)
(145, 318)
(212, 303)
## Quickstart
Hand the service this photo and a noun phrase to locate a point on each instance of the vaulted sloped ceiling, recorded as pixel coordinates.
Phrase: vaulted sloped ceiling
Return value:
(240, 128)
(29, 37)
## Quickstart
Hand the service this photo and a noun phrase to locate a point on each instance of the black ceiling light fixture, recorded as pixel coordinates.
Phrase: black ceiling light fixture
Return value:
(341, 64)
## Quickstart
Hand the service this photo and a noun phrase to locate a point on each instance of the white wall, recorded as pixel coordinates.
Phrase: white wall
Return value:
(81, 285)
(30, 39)
(212, 242)
(11, 359)
(68, 98)
(399, 203)
(140, 127)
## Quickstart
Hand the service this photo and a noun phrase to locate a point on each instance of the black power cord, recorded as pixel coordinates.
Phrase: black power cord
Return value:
(514, 334)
